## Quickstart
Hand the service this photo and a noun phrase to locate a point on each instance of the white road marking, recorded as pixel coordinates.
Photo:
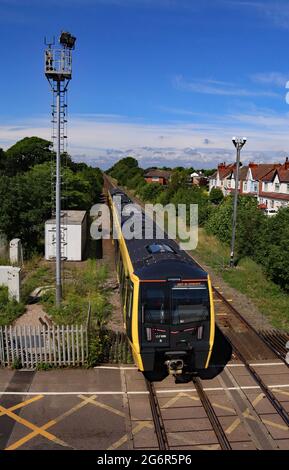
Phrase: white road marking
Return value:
(116, 367)
(172, 390)
(255, 364)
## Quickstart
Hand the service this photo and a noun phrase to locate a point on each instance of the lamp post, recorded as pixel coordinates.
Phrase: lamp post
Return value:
(239, 144)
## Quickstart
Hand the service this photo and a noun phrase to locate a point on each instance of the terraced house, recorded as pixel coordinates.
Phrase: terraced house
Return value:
(274, 187)
(225, 178)
(268, 182)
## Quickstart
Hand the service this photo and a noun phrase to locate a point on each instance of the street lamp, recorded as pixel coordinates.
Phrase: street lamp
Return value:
(239, 144)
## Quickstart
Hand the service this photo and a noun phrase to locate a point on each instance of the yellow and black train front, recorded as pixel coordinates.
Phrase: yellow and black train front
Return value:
(167, 303)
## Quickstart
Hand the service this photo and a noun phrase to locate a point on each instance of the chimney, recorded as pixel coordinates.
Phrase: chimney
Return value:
(221, 166)
(286, 164)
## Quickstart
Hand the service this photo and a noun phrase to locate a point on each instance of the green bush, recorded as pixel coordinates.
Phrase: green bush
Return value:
(85, 287)
(150, 192)
(216, 196)
(98, 346)
(44, 366)
(251, 223)
(16, 363)
(193, 195)
(9, 309)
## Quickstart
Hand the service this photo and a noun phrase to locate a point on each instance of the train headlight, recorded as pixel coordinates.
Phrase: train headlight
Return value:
(200, 332)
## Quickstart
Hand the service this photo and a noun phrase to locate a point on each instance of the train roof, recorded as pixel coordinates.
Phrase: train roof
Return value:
(158, 259)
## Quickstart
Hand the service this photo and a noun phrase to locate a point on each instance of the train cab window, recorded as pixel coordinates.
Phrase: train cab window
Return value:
(154, 308)
(190, 304)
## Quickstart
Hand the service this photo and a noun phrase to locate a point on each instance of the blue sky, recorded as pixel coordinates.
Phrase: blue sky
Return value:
(169, 81)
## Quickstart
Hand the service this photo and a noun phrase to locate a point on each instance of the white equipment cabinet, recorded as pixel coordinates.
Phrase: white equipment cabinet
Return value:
(15, 251)
(73, 236)
(10, 277)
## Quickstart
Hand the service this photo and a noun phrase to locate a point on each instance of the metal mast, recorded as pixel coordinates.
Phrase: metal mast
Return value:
(239, 144)
(58, 71)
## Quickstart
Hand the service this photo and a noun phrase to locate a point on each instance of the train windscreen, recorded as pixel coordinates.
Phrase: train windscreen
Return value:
(190, 303)
(154, 306)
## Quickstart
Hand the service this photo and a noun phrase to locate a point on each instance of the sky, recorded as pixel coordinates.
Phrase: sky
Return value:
(167, 81)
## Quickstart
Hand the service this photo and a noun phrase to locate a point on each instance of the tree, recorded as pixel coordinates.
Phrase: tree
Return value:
(150, 191)
(192, 195)
(27, 153)
(26, 200)
(250, 223)
(179, 179)
(216, 195)
(272, 250)
(124, 170)
(2, 161)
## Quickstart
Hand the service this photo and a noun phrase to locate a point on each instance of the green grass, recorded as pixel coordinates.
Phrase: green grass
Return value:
(36, 277)
(4, 261)
(82, 286)
(248, 278)
(10, 310)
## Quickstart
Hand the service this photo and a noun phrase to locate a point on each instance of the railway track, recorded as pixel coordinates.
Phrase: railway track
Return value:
(229, 317)
(157, 417)
(215, 423)
(160, 426)
(248, 345)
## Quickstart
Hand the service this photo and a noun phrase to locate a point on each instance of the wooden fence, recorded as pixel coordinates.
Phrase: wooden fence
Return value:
(30, 346)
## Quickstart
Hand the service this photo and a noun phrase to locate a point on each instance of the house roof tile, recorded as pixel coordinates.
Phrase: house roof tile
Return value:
(159, 173)
(279, 196)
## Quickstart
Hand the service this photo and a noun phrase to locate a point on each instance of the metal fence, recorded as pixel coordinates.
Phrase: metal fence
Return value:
(30, 346)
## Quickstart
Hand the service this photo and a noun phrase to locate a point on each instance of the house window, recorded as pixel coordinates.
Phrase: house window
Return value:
(155, 179)
(287, 187)
(272, 204)
(229, 183)
(255, 187)
(245, 186)
(265, 186)
(277, 187)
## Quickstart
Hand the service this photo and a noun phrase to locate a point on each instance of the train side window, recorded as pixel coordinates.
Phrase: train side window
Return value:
(129, 307)
(122, 283)
(125, 293)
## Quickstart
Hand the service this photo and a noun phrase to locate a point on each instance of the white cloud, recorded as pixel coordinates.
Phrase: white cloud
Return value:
(215, 87)
(101, 141)
(271, 78)
(277, 12)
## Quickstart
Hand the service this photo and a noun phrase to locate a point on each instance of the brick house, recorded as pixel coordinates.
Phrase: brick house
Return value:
(158, 176)
(198, 179)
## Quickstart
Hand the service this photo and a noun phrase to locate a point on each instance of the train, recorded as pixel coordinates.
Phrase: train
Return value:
(167, 299)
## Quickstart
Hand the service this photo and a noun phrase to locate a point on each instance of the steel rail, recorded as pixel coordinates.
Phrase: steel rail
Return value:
(271, 397)
(237, 314)
(157, 417)
(213, 418)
